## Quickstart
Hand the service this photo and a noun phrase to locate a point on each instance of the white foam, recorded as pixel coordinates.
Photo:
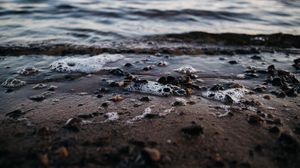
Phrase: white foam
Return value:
(86, 65)
(235, 93)
(112, 116)
(147, 111)
(186, 69)
(13, 83)
(166, 112)
(155, 88)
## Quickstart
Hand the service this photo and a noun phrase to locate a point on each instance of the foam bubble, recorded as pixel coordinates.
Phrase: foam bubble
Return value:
(112, 116)
(186, 69)
(155, 88)
(13, 83)
(86, 65)
(235, 93)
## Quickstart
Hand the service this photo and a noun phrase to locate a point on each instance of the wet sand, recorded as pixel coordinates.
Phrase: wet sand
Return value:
(236, 111)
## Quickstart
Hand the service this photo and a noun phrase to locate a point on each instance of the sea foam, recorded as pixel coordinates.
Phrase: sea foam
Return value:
(86, 65)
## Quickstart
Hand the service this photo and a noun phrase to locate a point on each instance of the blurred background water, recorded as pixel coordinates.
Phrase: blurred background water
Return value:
(92, 21)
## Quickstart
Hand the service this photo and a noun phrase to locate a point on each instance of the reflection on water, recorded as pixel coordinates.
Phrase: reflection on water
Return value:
(91, 21)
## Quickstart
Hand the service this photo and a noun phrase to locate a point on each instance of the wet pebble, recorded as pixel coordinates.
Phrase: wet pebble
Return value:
(145, 99)
(256, 57)
(288, 143)
(232, 62)
(193, 130)
(274, 130)
(72, 124)
(151, 154)
(117, 98)
(254, 119)
(39, 86)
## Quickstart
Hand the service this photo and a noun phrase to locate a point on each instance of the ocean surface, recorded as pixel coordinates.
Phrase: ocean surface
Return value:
(93, 21)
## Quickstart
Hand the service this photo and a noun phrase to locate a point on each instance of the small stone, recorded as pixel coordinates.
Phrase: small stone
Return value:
(297, 129)
(117, 98)
(152, 154)
(147, 68)
(274, 130)
(232, 62)
(268, 97)
(117, 72)
(254, 119)
(128, 65)
(162, 64)
(105, 104)
(145, 99)
(44, 159)
(62, 152)
(99, 96)
(37, 98)
(15, 114)
(193, 130)
(288, 142)
(256, 57)
(44, 131)
(72, 124)
(39, 86)
(52, 88)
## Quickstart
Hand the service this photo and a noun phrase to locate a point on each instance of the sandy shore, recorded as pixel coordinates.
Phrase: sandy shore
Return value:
(90, 120)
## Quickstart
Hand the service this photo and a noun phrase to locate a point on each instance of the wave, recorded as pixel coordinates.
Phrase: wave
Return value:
(191, 43)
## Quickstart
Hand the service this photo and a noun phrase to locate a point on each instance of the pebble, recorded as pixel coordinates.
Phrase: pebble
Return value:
(232, 62)
(44, 159)
(274, 130)
(62, 152)
(193, 130)
(268, 97)
(117, 98)
(256, 57)
(152, 154)
(145, 99)
(254, 119)
(39, 86)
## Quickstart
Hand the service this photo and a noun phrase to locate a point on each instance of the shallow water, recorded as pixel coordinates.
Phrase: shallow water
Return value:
(93, 21)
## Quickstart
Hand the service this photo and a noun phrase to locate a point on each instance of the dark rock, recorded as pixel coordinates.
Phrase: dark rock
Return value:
(291, 92)
(44, 131)
(193, 130)
(274, 130)
(288, 143)
(151, 116)
(232, 62)
(271, 69)
(117, 72)
(228, 99)
(73, 124)
(15, 114)
(128, 65)
(99, 96)
(147, 68)
(145, 99)
(297, 129)
(151, 154)
(37, 97)
(254, 120)
(277, 82)
(86, 116)
(105, 104)
(256, 57)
